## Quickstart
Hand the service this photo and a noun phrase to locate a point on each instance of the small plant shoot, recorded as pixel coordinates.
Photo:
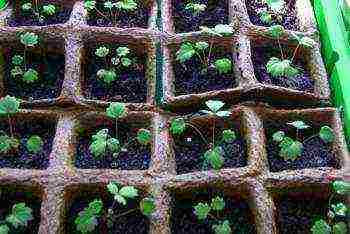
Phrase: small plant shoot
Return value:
(115, 60)
(292, 148)
(103, 143)
(195, 8)
(338, 211)
(20, 216)
(211, 211)
(111, 9)
(38, 10)
(88, 219)
(272, 12)
(214, 156)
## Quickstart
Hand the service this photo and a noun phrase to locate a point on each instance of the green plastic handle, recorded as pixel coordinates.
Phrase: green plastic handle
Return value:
(3, 4)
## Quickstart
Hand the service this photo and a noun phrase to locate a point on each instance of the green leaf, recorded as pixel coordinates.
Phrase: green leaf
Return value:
(228, 135)
(27, 6)
(147, 206)
(307, 42)
(177, 126)
(4, 229)
(17, 60)
(224, 65)
(340, 209)
(340, 228)
(49, 9)
(116, 110)
(144, 136)
(277, 67)
(265, 17)
(128, 5)
(34, 144)
(299, 124)
(201, 210)
(89, 5)
(276, 5)
(113, 188)
(291, 151)
(108, 76)
(341, 187)
(102, 51)
(20, 215)
(108, 5)
(195, 8)
(276, 31)
(87, 219)
(120, 199)
(16, 71)
(326, 134)
(126, 62)
(278, 136)
(214, 157)
(123, 51)
(209, 31)
(113, 145)
(29, 39)
(128, 192)
(223, 29)
(201, 45)
(223, 113)
(185, 52)
(8, 143)
(223, 228)
(30, 76)
(9, 105)
(214, 105)
(217, 203)
(321, 227)
(98, 146)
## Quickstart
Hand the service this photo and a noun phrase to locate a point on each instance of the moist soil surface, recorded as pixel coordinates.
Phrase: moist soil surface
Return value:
(23, 129)
(9, 197)
(50, 67)
(137, 157)
(122, 19)
(21, 18)
(131, 223)
(184, 221)
(297, 212)
(189, 78)
(190, 148)
(185, 21)
(316, 153)
(289, 20)
(261, 55)
(130, 86)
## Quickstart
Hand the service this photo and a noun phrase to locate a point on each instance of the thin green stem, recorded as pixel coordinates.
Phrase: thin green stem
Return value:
(295, 52)
(103, 15)
(125, 213)
(198, 131)
(210, 49)
(116, 128)
(24, 58)
(213, 132)
(280, 47)
(10, 125)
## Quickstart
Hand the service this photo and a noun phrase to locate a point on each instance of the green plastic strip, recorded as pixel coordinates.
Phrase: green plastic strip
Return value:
(3, 4)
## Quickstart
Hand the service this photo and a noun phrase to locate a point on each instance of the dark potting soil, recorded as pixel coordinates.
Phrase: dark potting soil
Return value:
(297, 212)
(190, 148)
(289, 21)
(9, 197)
(189, 78)
(261, 55)
(185, 21)
(137, 157)
(23, 129)
(23, 18)
(123, 19)
(50, 67)
(130, 86)
(131, 223)
(184, 221)
(316, 153)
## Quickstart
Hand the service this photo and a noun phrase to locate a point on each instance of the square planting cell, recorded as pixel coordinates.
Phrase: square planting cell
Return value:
(185, 20)
(237, 211)
(134, 157)
(189, 147)
(126, 219)
(24, 126)
(46, 58)
(16, 194)
(138, 17)
(194, 77)
(133, 72)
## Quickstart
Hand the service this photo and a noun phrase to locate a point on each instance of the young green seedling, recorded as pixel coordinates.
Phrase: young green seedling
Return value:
(211, 211)
(39, 10)
(284, 66)
(112, 7)
(113, 65)
(291, 149)
(19, 217)
(102, 142)
(274, 10)
(87, 219)
(337, 212)
(19, 62)
(214, 156)
(195, 8)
